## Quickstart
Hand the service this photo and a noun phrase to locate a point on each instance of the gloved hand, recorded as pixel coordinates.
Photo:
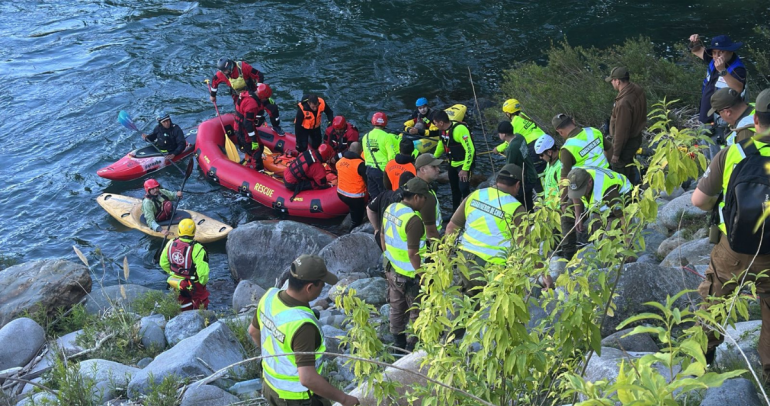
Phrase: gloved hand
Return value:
(185, 284)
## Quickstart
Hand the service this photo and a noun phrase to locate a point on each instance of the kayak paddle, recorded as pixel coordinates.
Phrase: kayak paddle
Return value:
(232, 151)
(125, 120)
(187, 174)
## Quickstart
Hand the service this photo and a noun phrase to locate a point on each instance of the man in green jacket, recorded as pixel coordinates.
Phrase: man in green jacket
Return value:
(456, 141)
(157, 204)
(186, 262)
(517, 153)
(380, 147)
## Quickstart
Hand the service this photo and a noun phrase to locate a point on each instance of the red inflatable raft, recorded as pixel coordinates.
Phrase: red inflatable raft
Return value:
(260, 186)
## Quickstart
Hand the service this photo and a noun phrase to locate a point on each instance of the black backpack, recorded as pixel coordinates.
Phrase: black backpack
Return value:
(747, 192)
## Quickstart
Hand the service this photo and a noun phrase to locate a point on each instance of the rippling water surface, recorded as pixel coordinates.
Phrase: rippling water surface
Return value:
(68, 67)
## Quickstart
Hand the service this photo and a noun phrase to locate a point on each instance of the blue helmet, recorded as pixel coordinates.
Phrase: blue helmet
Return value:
(421, 102)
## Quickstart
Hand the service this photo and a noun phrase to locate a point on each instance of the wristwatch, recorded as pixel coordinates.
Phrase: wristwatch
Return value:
(723, 73)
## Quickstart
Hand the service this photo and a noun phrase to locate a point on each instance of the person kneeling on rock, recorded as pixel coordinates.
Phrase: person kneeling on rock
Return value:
(187, 263)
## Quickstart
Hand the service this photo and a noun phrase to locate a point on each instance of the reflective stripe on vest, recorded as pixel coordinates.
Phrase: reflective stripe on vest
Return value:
(735, 155)
(376, 150)
(587, 148)
(180, 257)
(349, 182)
(312, 119)
(277, 325)
(238, 83)
(488, 224)
(745, 122)
(604, 179)
(394, 223)
(526, 127)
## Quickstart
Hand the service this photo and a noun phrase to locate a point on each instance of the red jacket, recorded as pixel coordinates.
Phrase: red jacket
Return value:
(250, 74)
(246, 111)
(307, 166)
(316, 172)
(340, 143)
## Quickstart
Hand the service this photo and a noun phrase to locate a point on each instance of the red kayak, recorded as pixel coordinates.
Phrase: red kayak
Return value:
(142, 161)
(261, 186)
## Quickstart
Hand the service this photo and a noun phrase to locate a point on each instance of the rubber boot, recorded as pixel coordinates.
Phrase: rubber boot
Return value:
(400, 342)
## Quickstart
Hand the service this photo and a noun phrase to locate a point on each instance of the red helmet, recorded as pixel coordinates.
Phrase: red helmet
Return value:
(150, 184)
(325, 151)
(379, 119)
(264, 91)
(339, 123)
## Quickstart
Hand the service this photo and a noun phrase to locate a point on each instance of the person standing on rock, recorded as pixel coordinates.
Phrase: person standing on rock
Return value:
(428, 169)
(548, 150)
(375, 210)
(285, 324)
(403, 236)
(187, 263)
(379, 148)
(743, 249)
(629, 117)
(486, 219)
(527, 128)
(157, 204)
(582, 147)
(737, 113)
(307, 122)
(456, 141)
(403, 161)
(351, 183)
(517, 153)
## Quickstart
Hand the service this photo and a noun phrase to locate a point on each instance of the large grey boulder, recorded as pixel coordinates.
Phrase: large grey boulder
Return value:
(696, 252)
(351, 253)
(746, 335)
(670, 243)
(102, 299)
(109, 377)
(607, 365)
(371, 290)
(635, 343)
(410, 362)
(207, 395)
(213, 348)
(247, 293)
(736, 391)
(152, 335)
(21, 341)
(41, 285)
(184, 325)
(641, 283)
(333, 336)
(261, 251)
(671, 214)
(652, 240)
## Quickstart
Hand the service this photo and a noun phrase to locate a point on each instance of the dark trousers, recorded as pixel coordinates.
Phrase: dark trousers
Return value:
(527, 194)
(626, 158)
(402, 293)
(357, 207)
(569, 235)
(274, 400)
(302, 137)
(298, 187)
(460, 190)
(374, 182)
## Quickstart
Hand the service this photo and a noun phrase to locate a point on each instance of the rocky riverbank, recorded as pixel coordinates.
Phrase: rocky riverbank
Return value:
(194, 345)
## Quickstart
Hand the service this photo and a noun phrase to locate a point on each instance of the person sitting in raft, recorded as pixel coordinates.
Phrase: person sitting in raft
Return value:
(156, 205)
(187, 263)
(340, 135)
(167, 137)
(419, 123)
(307, 171)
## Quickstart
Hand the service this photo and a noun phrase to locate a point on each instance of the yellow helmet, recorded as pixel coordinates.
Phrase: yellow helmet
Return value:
(187, 228)
(511, 106)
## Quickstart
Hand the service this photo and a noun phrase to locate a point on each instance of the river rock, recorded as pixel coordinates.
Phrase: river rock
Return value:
(21, 341)
(746, 334)
(670, 243)
(365, 227)
(678, 191)
(186, 324)
(207, 395)
(158, 319)
(41, 285)
(351, 253)
(108, 377)
(652, 240)
(152, 335)
(67, 343)
(697, 252)
(636, 343)
(371, 290)
(213, 348)
(736, 391)
(247, 293)
(640, 283)
(671, 214)
(261, 251)
(410, 362)
(42, 398)
(333, 336)
(607, 366)
(647, 259)
(102, 299)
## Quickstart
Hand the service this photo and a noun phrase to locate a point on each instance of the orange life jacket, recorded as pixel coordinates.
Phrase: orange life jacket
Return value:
(394, 171)
(349, 182)
(312, 119)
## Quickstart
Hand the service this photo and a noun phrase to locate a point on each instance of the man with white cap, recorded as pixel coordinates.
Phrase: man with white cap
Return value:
(548, 151)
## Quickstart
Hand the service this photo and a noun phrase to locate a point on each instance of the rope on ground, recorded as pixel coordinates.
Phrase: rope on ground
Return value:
(481, 121)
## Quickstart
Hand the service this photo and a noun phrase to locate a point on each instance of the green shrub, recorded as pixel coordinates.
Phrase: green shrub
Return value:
(62, 321)
(252, 370)
(165, 392)
(157, 302)
(116, 334)
(71, 388)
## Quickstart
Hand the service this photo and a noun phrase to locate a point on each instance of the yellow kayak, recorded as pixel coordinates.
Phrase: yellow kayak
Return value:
(128, 211)
(455, 113)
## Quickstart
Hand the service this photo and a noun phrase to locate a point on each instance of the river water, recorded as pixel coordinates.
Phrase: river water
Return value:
(68, 67)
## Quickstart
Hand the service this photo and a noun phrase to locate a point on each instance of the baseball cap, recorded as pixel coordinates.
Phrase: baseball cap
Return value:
(724, 98)
(312, 268)
(578, 183)
(763, 101)
(511, 171)
(560, 120)
(417, 186)
(617, 73)
(425, 160)
(505, 127)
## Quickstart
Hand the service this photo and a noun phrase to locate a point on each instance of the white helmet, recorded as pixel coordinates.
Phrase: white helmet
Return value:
(544, 143)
